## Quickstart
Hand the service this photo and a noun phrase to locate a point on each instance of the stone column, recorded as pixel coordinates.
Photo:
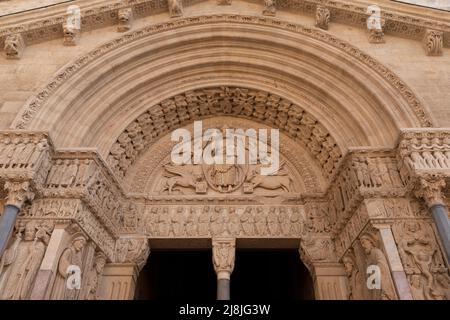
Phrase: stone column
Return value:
(119, 278)
(431, 191)
(395, 265)
(58, 242)
(330, 281)
(17, 195)
(223, 260)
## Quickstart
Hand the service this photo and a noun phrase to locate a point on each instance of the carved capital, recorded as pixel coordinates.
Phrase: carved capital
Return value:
(14, 46)
(433, 42)
(223, 256)
(430, 190)
(224, 2)
(132, 250)
(18, 193)
(323, 16)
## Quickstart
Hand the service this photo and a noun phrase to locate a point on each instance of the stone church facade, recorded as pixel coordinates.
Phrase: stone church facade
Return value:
(86, 116)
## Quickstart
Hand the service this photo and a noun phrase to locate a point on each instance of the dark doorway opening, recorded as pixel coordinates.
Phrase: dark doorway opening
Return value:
(270, 275)
(177, 275)
(188, 275)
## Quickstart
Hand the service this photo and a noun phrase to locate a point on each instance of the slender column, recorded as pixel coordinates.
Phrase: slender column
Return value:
(431, 191)
(223, 260)
(56, 245)
(17, 194)
(395, 265)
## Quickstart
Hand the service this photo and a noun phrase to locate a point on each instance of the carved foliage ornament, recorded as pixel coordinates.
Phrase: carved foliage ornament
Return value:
(224, 253)
(433, 42)
(242, 102)
(18, 193)
(132, 250)
(431, 190)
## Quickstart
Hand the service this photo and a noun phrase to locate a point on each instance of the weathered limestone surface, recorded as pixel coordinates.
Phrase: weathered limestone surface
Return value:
(86, 117)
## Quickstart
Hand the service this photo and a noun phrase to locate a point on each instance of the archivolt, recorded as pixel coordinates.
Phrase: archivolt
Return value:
(99, 98)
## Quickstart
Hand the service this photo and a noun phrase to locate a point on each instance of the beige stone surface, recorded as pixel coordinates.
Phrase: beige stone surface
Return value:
(85, 142)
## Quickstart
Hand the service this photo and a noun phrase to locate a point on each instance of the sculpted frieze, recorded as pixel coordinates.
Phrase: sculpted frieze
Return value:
(60, 209)
(224, 221)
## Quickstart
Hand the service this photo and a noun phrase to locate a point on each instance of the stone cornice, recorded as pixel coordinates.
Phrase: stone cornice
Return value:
(399, 22)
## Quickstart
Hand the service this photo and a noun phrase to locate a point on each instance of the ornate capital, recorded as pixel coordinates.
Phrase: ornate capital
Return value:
(132, 250)
(18, 193)
(224, 256)
(431, 190)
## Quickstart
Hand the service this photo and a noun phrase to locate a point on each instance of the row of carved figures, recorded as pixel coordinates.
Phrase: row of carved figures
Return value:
(216, 220)
(21, 261)
(20, 152)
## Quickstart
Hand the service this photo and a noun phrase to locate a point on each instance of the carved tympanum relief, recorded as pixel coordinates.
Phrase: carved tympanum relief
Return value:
(240, 102)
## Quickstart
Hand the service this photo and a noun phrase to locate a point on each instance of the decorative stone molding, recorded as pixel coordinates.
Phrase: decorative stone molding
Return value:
(223, 256)
(398, 23)
(270, 8)
(83, 174)
(241, 102)
(125, 19)
(18, 193)
(224, 2)
(175, 8)
(424, 154)
(363, 174)
(433, 42)
(132, 250)
(430, 190)
(34, 105)
(73, 210)
(316, 249)
(14, 46)
(24, 156)
(323, 16)
(224, 221)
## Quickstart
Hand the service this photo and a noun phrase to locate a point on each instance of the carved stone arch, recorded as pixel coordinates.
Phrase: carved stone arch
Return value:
(145, 67)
